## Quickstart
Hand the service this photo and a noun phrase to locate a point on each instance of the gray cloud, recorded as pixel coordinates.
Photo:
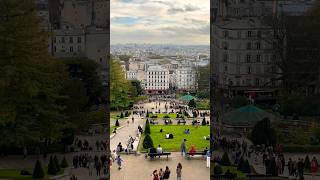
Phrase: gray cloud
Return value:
(187, 8)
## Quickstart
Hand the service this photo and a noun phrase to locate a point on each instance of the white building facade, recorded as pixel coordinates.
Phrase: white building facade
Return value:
(157, 80)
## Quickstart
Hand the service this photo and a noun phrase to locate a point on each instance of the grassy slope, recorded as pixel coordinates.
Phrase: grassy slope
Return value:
(196, 137)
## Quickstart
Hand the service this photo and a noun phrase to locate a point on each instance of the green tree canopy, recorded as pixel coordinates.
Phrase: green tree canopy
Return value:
(119, 88)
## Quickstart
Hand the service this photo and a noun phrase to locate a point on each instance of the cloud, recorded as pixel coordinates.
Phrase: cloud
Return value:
(160, 21)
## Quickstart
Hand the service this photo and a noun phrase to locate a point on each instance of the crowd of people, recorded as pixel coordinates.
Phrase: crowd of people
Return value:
(99, 164)
(165, 174)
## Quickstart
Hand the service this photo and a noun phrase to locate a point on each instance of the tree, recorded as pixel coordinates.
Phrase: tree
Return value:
(86, 71)
(225, 161)
(38, 172)
(117, 123)
(263, 133)
(204, 123)
(30, 82)
(239, 101)
(246, 167)
(192, 103)
(147, 128)
(119, 88)
(64, 163)
(121, 115)
(147, 142)
(56, 162)
(241, 164)
(136, 88)
(52, 168)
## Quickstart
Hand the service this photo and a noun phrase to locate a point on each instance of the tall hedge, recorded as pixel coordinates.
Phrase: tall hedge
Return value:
(147, 128)
(38, 172)
(64, 163)
(56, 162)
(204, 122)
(147, 142)
(52, 168)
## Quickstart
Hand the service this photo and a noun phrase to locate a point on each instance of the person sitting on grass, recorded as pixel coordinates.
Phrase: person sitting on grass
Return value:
(185, 131)
(115, 131)
(159, 149)
(192, 150)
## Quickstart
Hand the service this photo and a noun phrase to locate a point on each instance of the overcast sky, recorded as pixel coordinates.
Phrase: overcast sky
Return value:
(184, 22)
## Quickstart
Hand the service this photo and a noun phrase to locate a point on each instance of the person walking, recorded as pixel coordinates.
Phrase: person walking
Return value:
(155, 175)
(179, 171)
(90, 166)
(208, 155)
(183, 147)
(161, 174)
(98, 167)
(314, 166)
(166, 174)
(119, 162)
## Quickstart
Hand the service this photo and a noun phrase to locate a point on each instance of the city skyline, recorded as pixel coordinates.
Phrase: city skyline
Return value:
(184, 22)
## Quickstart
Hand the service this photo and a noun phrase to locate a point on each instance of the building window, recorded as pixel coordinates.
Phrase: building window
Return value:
(239, 34)
(79, 48)
(70, 39)
(79, 40)
(55, 48)
(259, 34)
(249, 45)
(71, 49)
(258, 45)
(248, 58)
(55, 39)
(225, 45)
(225, 57)
(101, 61)
(258, 58)
(257, 82)
(249, 33)
(62, 40)
(225, 68)
(249, 70)
(225, 34)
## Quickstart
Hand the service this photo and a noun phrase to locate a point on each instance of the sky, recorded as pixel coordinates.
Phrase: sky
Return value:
(182, 22)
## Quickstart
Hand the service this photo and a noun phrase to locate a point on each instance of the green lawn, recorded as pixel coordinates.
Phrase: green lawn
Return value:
(112, 128)
(171, 115)
(15, 174)
(196, 137)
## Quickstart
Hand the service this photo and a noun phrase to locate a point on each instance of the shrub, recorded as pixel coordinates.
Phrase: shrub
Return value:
(121, 115)
(246, 167)
(241, 164)
(166, 116)
(225, 161)
(56, 162)
(147, 142)
(52, 169)
(25, 172)
(38, 171)
(263, 133)
(126, 114)
(204, 123)
(147, 128)
(117, 123)
(64, 163)
(192, 103)
(178, 116)
(307, 163)
(147, 115)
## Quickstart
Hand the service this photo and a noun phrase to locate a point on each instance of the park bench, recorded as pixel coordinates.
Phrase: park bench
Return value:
(152, 155)
(202, 153)
(182, 121)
